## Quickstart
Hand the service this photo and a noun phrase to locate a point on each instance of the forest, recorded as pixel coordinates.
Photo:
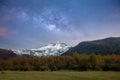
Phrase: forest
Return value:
(77, 62)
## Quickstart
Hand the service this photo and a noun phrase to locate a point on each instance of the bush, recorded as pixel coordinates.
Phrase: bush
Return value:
(76, 62)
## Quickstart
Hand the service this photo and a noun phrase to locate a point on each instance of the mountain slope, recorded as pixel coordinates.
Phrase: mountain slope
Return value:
(52, 49)
(104, 46)
(6, 54)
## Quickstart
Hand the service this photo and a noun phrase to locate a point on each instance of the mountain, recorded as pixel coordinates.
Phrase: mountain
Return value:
(104, 46)
(52, 49)
(6, 54)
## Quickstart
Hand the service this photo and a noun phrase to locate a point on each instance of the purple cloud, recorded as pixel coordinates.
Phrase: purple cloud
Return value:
(3, 32)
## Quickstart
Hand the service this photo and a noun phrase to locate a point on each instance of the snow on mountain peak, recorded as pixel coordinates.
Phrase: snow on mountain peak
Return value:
(52, 49)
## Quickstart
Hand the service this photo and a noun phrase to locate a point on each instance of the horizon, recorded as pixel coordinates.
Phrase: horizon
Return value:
(58, 43)
(27, 24)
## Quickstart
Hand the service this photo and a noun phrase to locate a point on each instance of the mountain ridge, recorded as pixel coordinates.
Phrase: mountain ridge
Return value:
(6, 54)
(104, 46)
(52, 49)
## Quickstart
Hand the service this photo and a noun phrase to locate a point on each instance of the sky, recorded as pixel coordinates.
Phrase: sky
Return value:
(26, 24)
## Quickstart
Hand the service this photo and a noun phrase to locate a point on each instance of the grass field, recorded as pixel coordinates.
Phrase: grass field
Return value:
(59, 75)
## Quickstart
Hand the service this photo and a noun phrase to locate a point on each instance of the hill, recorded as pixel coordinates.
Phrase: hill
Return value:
(104, 46)
(6, 54)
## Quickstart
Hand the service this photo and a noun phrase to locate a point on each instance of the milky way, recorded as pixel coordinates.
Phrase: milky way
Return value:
(33, 23)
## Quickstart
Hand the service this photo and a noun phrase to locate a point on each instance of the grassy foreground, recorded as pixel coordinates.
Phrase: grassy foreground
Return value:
(59, 75)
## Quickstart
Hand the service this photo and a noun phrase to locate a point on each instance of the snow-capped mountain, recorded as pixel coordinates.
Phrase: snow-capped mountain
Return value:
(53, 49)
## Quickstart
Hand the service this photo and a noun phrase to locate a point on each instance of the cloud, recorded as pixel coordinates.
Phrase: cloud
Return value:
(3, 32)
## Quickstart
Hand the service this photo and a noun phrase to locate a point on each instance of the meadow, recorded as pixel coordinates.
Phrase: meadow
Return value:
(59, 75)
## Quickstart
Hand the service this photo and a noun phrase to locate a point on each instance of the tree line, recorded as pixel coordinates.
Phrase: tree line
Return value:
(78, 62)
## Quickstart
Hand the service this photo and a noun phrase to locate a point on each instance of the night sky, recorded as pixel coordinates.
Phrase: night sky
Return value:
(33, 23)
